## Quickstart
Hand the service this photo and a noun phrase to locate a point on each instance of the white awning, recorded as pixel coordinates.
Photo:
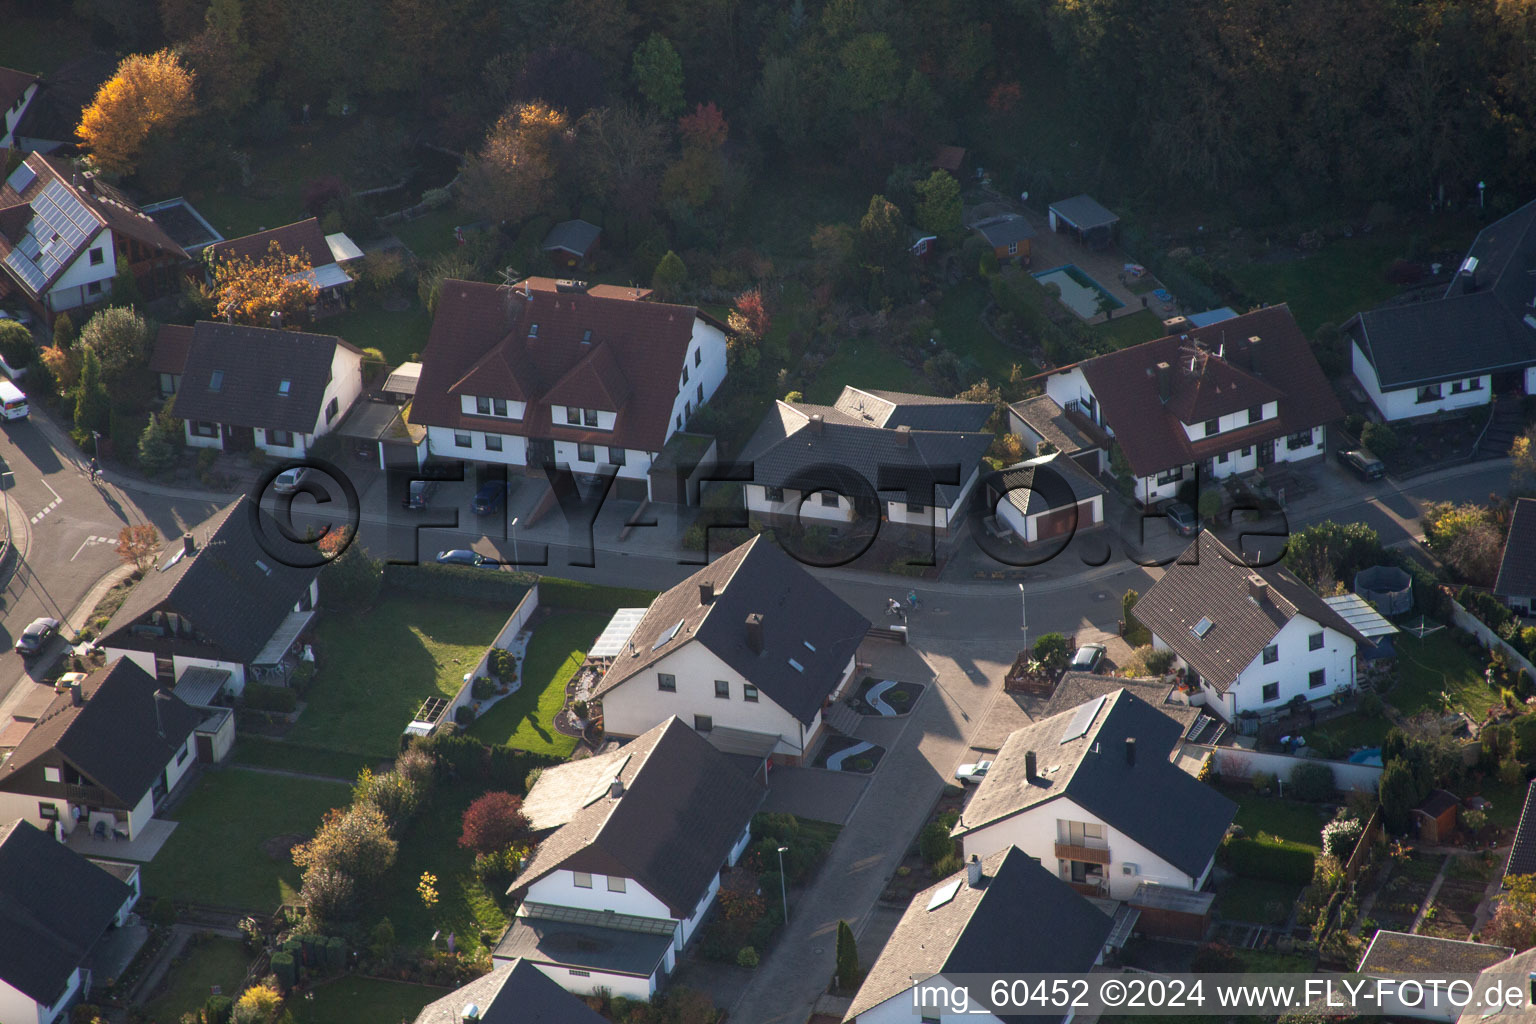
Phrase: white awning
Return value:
(610, 644)
(328, 275)
(343, 248)
(283, 638)
(1359, 613)
(200, 685)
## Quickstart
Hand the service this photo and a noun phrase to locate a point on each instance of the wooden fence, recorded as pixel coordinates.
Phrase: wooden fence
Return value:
(1362, 854)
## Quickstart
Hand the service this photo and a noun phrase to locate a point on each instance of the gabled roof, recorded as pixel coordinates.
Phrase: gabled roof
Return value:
(795, 438)
(13, 84)
(232, 590)
(1210, 581)
(949, 158)
(1083, 212)
(1020, 919)
(682, 806)
(483, 343)
(1004, 229)
(172, 343)
(54, 112)
(1020, 480)
(299, 238)
(520, 994)
(802, 621)
(1243, 373)
(1437, 803)
(1522, 855)
(1153, 801)
(252, 364)
(121, 736)
(573, 236)
(54, 906)
(1517, 569)
(1442, 339)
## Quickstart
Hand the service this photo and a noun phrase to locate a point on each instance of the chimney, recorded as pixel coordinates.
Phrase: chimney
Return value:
(973, 872)
(1130, 750)
(903, 436)
(1164, 382)
(755, 633)
(1031, 766)
(76, 695)
(706, 593)
(816, 422)
(470, 1014)
(277, 318)
(616, 788)
(1258, 589)
(188, 544)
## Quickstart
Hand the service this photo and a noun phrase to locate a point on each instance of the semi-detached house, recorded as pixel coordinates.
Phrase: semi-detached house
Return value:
(1215, 401)
(590, 379)
(1253, 638)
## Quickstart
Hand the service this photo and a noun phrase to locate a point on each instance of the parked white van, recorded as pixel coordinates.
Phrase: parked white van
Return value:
(13, 404)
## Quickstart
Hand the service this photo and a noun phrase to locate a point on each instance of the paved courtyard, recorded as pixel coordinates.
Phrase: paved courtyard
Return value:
(814, 793)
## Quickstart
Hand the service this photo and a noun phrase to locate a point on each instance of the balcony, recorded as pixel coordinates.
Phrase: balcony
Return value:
(90, 796)
(1085, 854)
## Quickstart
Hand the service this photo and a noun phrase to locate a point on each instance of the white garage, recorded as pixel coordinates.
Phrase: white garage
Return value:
(1049, 497)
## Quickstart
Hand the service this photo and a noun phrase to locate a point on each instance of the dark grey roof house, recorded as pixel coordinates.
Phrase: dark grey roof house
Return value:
(870, 453)
(216, 598)
(1085, 218)
(107, 750)
(1516, 582)
(55, 908)
(278, 390)
(516, 994)
(1003, 915)
(1522, 854)
(1106, 766)
(572, 242)
(652, 830)
(1477, 339)
(1254, 636)
(749, 650)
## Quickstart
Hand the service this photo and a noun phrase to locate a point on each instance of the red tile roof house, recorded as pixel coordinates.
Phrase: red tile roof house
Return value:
(1226, 399)
(328, 256)
(1516, 582)
(16, 90)
(62, 233)
(524, 377)
(240, 387)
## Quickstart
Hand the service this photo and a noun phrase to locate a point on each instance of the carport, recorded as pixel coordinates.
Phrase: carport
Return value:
(1083, 217)
(376, 427)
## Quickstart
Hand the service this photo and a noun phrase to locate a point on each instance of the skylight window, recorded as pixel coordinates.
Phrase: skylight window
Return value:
(1202, 627)
(586, 337)
(533, 330)
(216, 381)
(667, 635)
(796, 665)
(808, 645)
(264, 567)
(944, 895)
(283, 386)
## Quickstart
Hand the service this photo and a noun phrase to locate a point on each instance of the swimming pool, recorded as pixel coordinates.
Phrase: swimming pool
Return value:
(1370, 755)
(1079, 292)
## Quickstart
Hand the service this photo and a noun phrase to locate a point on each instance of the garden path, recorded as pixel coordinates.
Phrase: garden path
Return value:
(1429, 897)
(835, 761)
(876, 697)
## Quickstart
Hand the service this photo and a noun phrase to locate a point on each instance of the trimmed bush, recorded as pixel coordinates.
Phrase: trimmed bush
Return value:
(464, 714)
(482, 688)
(747, 957)
(262, 697)
(218, 1009)
(1312, 782)
(285, 969)
(1251, 858)
(935, 843)
(588, 597)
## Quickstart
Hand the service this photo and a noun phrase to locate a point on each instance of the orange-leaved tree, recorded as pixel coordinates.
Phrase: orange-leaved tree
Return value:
(513, 175)
(149, 93)
(249, 290)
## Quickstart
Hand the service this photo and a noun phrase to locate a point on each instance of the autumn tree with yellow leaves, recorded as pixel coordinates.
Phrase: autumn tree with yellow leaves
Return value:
(249, 290)
(513, 175)
(149, 94)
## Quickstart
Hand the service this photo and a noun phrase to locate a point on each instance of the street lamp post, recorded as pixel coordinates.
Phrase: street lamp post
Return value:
(513, 527)
(783, 891)
(1480, 186)
(1023, 616)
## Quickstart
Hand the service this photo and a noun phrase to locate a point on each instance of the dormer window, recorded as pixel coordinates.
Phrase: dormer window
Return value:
(1212, 426)
(1256, 414)
(533, 330)
(283, 386)
(216, 381)
(589, 417)
(572, 416)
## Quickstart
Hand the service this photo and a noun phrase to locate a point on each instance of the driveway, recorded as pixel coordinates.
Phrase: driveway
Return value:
(963, 680)
(814, 793)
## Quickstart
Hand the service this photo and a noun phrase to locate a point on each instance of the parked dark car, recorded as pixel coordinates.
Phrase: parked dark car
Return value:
(36, 636)
(1363, 464)
(462, 556)
(1183, 519)
(1087, 658)
(420, 493)
(491, 497)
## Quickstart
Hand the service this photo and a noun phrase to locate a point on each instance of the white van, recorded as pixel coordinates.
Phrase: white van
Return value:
(13, 404)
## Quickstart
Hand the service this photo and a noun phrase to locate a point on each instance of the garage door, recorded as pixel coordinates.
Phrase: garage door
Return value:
(1054, 524)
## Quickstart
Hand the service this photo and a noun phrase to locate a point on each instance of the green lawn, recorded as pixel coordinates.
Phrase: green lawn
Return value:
(1261, 961)
(432, 233)
(377, 668)
(215, 856)
(465, 906)
(1257, 901)
(865, 363)
(267, 753)
(1125, 331)
(1294, 823)
(1434, 664)
(400, 336)
(349, 1000)
(557, 649)
(957, 322)
(210, 960)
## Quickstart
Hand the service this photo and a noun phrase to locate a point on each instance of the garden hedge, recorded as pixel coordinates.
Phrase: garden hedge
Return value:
(458, 582)
(286, 970)
(1253, 859)
(500, 767)
(589, 597)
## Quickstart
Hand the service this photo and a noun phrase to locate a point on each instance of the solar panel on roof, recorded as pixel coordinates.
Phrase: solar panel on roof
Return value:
(666, 637)
(1083, 720)
(944, 894)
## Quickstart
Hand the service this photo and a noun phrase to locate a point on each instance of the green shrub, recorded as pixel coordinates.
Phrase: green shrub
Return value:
(935, 843)
(497, 870)
(285, 969)
(1379, 438)
(1311, 781)
(747, 957)
(1252, 858)
(264, 697)
(947, 865)
(463, 714)
(218, 1009)
(1263, 781)
(482, 688)
(1052, 651)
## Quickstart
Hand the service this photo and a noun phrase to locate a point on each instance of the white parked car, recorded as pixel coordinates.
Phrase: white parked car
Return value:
(973, 773)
